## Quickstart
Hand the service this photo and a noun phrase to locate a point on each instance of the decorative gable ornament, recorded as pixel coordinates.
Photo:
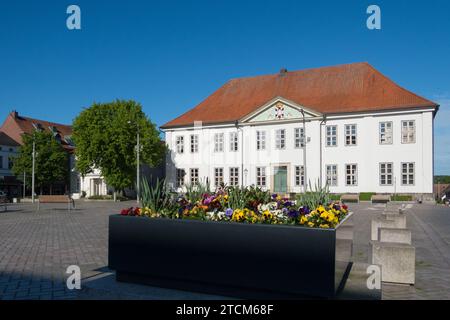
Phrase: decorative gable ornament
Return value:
(279, 111)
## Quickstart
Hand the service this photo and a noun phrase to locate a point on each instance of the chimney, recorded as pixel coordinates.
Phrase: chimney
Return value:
(14, 114)
(283, 71)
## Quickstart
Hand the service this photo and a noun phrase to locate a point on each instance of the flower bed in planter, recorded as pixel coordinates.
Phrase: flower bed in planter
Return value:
(263, 250)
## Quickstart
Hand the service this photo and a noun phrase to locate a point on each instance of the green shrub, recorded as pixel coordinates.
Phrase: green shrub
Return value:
(398, 197)
(100, 197)
(335, 197)
(366, 196)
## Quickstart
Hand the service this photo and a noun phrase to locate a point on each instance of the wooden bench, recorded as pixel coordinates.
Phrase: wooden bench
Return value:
(380, 198)
(56, 199)
(350, 197)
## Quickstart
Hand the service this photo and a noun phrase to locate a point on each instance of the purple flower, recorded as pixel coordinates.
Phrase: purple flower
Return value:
(304, 210)
(285, 210)
(229, 212)
(293, 213)
(274, 196)
(288, 204)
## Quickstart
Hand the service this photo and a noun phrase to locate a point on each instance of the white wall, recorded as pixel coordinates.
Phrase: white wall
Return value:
(367, 154)
(5, 153)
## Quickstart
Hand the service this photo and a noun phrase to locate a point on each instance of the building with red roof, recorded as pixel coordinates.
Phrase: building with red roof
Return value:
(348, 126)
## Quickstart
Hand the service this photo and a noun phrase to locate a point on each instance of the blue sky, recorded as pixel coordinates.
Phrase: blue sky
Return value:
(170, 55)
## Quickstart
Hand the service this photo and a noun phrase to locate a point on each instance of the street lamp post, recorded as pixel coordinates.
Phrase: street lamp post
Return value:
(24, 182)
(304, 152)
(138, 171)
(32, 171)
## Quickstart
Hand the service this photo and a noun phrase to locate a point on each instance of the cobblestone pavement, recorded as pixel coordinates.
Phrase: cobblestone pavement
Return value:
(37, 247)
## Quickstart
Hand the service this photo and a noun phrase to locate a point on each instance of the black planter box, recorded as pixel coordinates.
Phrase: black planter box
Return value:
(232, 259)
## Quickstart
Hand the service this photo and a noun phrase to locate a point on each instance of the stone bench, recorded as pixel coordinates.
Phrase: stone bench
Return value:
(394, 235)
(56, 199)
(350, 197)
(397, 261)
(380, 198)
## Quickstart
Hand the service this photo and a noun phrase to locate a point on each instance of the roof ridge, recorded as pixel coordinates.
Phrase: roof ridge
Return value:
(40, 120)
(303, 70)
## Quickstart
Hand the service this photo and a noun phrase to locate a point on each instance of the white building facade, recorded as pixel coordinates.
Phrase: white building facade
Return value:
(382, 150)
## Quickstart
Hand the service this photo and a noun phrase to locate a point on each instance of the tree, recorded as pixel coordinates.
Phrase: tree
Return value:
(105, 136)
(51, 162)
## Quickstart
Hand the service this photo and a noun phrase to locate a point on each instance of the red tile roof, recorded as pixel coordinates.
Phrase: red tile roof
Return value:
(15, 125)
(355, 87)
(6, 140)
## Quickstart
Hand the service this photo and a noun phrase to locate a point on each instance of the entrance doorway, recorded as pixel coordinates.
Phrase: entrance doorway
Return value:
(97, 187)
(280, 179)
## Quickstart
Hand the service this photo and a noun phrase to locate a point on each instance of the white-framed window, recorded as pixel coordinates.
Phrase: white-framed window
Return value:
(299, 176)
(331, 136)
(194, 143)
(194, 175)
(350, 134)
(180, 144)
(407, 173)
(386, 173)
(218, 176)
(180, 177)
(351, 174)
(280, 139)
(234, 176)
(261, 177)
(332, 176)
(234, 141)
(260, 140)
(218, 142)
(408, 131)
(386, 132)
(299, 138)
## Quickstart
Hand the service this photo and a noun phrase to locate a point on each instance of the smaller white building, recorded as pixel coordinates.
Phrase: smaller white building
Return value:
(8, 150)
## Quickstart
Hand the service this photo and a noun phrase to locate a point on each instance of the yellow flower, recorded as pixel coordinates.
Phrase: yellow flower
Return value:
(267, 214)
(330, 217)
(324, 215)
(324, 226)
(311, 224)
(303, 219)
(320, 209)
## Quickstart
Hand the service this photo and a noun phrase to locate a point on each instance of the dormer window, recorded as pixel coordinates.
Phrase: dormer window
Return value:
(37, 126)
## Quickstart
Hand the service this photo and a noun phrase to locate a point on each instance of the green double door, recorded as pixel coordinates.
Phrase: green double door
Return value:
(280, 179)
